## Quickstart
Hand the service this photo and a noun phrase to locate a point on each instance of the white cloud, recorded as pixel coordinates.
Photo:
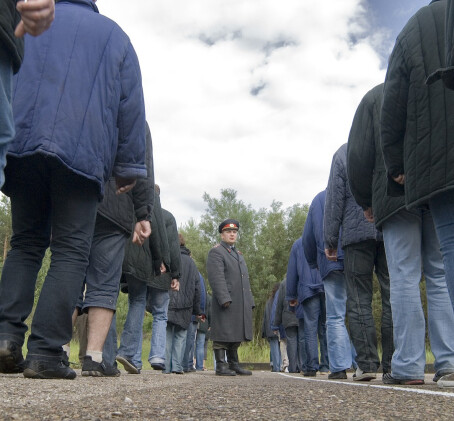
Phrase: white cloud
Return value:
(254, 95)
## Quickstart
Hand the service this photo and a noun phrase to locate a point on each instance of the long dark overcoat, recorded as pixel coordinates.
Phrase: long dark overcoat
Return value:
(229, 280)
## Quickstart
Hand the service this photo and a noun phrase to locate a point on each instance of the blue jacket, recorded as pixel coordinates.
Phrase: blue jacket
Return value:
(302, 281)
(341, 209)
(313, 244)
(78, 96)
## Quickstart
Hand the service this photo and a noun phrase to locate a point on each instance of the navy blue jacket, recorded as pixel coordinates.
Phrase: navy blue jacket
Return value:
(78, 96)
(341, 209)
(313, 244)
(302, 281)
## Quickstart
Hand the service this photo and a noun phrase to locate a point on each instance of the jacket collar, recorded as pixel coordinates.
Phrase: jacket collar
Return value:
(87, 3)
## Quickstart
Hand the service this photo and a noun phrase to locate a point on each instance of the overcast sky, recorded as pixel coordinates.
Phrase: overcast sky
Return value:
(254, 95)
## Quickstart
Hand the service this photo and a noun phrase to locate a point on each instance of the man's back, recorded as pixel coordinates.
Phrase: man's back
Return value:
(78, 82)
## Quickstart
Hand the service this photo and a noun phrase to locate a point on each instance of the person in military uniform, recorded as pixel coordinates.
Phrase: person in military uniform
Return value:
(232, 302)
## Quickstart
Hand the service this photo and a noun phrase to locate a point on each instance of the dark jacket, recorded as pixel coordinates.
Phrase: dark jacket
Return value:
(341, 209)
(186, 301)
(365, 166)
(229, 280)
(78, 96)
(267, 331)
(416, 124)
(302, 281)
(144, 262)
(124, 210)
(284, 316)
(313, 244)
(9, 18)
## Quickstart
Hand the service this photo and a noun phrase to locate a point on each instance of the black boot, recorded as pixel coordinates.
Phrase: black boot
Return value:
(222, 368)
(232, 358)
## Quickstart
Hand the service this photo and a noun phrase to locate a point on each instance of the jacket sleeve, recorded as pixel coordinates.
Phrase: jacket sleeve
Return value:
(196, 301)
(277, 321)
(161, 226)
(154, 242)
(130, 158)
(394, 117)
(309, 242)
(143, 191)
(361, 154)
(174, 245)
(334, 204)
(292, 276)
(203, 295)
(216, 277)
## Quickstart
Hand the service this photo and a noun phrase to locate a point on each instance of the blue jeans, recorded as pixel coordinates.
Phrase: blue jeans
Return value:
(312, 312)
(302, 357)
(275, 354)
(338, 341)
(175, 345)
(109, 351)
(159, 300)
(131, 338)
(442, 208)
(294, 334)
(199, 350)
(188, 357)
(7, 130)
(411, 243)
(53, 206)
(360, 260)
(321, 332)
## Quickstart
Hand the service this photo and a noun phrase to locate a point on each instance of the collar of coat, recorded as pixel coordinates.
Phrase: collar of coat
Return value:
(89, 3)
(227, 247)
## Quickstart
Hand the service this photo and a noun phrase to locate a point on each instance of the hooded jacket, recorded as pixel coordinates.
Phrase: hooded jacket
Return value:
(9, 18)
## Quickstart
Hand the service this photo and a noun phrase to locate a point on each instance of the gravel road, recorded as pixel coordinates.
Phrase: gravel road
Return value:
(204, 396)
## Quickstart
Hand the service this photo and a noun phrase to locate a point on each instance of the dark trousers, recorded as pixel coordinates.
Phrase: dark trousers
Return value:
(360, 259)
(51, 206)
(228, 346)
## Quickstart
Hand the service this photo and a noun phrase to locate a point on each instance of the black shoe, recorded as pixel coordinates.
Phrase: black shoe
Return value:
(40, 369)
(238, 370)
(158, 366)
(338, 375)
(11, 359)
(129, 366)
(222, 369)
(177, 372)
(102, 369)
(310, 373)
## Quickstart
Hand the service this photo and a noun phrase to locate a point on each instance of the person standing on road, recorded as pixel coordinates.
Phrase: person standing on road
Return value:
(364, 251)
(232, 301)
(80, 117)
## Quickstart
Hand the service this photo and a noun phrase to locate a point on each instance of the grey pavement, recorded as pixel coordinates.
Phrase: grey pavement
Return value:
(204, 396)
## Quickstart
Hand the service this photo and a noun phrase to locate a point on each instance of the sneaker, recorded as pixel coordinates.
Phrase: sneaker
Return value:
(286, 370)
(310, 373)
(389, 379)
(102, 369)
(337, 375)
(446, 381)
(177, 372)
(362, 376)
(440, 374)
(129, 366)
(40, 369)
(11, 359)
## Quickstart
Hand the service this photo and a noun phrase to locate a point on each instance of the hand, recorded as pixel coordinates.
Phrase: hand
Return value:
(175, 285)
(331, 254)
(400, 179)
(226, 304)
(163, 268)
(124, 184)
(142, 231)
(36, 16)
(293, 303)
(369, 215)
(201, 317)
(275, 332)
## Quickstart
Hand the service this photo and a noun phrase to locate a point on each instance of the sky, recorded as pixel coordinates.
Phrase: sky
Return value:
(254, 95)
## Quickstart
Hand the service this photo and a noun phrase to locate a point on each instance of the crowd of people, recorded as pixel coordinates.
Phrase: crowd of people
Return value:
(80, 178)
